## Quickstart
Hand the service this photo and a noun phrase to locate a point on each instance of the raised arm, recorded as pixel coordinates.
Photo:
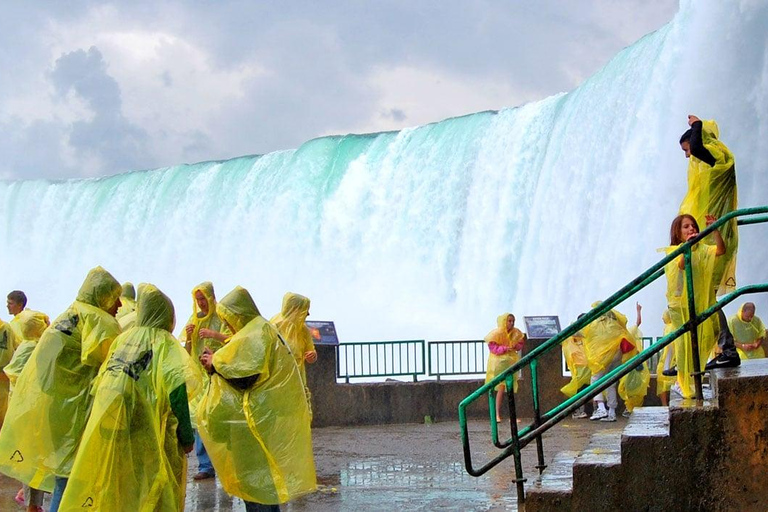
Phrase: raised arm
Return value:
(697, 145)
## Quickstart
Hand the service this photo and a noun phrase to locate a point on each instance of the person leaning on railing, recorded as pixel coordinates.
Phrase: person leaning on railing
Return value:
(505, 344)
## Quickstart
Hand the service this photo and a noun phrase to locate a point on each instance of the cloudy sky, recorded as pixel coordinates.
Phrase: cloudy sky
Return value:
(96, 88)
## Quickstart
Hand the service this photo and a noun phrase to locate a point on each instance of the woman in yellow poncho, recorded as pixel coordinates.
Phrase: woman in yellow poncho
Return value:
(290, 322)
(666, 362)
(51, 399)
(505, 343)
(748, 332)
(253, 418)
(703, 259)
(132, 455)
(576, 359)
(203, 329)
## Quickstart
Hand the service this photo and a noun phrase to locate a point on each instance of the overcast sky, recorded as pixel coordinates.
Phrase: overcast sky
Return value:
(93, 88)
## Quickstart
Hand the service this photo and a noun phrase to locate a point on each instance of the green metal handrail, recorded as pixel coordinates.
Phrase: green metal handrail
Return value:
(543, 422)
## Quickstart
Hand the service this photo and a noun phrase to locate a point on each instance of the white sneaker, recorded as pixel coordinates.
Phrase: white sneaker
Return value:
(598, 414)
(609, 416)
(626, 413)
(579, 415)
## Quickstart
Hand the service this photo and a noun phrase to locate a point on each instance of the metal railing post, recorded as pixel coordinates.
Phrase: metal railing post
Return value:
(537, 414)
(516, 449)
(694, 325)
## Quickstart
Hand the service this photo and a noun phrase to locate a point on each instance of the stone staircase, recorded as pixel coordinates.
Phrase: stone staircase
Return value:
(677, 458)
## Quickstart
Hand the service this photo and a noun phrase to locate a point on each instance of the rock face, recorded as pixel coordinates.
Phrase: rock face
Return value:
(711, 456)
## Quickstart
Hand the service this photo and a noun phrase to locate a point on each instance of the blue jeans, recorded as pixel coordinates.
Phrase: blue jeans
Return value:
(203, 460)
(58, 491)
(258, 507)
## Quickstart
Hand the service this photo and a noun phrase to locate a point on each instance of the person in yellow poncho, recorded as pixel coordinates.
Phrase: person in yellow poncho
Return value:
(51, 399)
(132, 454)
(666, 362)
(254, 419)
(8, 343)
(748, 331)
(576, 359)
(634, 386)
(605, 341)
(712, 192)
(703, 258)
(129, 319)
(505, 343)
(28, 326)
(290, 322)
(203, 329)
(127, 300)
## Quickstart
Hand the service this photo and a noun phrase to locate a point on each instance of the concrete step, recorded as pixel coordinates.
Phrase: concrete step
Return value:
(646, 443)
(552, 490)
(597, 482)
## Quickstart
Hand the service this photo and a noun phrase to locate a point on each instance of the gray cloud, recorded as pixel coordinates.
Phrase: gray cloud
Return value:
(108, 136)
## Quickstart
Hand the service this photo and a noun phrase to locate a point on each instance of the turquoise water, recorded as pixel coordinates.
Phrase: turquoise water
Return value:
(433, 231)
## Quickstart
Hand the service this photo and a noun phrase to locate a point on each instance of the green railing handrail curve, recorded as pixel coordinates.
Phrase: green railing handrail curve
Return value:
(557, 413)
(544, 422)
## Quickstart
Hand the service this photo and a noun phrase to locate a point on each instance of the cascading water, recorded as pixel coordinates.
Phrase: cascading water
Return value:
(430, 232)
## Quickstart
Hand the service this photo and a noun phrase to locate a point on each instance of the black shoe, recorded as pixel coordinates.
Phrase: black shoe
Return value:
(670, 372)
(724, 361)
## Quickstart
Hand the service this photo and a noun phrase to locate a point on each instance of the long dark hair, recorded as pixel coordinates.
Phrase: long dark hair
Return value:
(674, 232)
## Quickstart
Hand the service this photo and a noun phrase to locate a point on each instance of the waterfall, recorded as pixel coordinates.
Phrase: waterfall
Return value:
(432, 231)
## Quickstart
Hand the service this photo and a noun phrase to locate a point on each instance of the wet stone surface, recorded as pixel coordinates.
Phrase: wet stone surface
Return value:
(408, 467)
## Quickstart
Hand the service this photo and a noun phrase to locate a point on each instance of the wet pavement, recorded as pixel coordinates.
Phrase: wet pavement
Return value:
(409, 467)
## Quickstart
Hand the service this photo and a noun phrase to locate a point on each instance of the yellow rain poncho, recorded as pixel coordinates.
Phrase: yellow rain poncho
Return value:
(576, 359)
(747, 332)
(703, 263)
(210, 320)
(602, 339)
(253, 419)
(131, 455)
(128, 300)
(664, 383)
(129, 319)
(634, 386)
(712, 191)
(51, 399)
(29, 326)
(8, 343)
(497, 363)
(290, 323)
